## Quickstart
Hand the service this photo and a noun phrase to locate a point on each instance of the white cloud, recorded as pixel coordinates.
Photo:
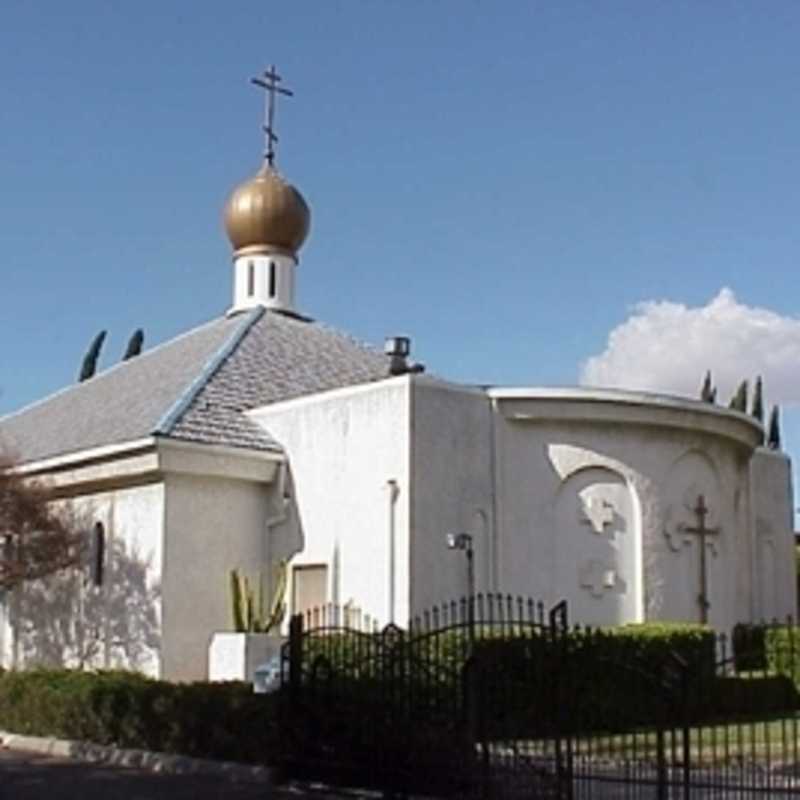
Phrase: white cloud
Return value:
(668, 347)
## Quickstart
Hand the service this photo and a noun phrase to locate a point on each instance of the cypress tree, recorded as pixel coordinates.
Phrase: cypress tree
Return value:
(774, 435)
(739, 400)
(758, 401)
(89, 365)
(757, 410)
(706, 393)
(134, 344)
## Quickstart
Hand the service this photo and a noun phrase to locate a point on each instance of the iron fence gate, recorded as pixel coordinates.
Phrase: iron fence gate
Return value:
(493, 698)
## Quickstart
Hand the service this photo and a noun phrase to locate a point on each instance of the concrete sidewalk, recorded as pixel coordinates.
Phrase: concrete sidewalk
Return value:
(139, 759)
(42, 768)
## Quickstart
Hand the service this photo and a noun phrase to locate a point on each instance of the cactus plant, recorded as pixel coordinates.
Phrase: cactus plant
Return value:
(249, 613)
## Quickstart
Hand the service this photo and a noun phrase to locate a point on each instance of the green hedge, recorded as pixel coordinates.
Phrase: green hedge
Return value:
(782, 647)
(734, 698)
(225, 721)
(609, 678)
(749, 647)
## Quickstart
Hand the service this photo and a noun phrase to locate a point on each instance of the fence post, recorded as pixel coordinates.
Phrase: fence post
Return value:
(561, 690)
(661, 765)
(474, 686)
(686, 744)
(295, 656)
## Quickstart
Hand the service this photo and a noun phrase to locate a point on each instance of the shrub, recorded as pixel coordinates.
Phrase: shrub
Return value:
(782, 646)
(206, 720)
(749, 649)
(609, 678)
(734, 697)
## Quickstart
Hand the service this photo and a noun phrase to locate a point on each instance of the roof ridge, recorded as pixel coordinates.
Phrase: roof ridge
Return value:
(78, 385)
(343, 334)
(174, 413)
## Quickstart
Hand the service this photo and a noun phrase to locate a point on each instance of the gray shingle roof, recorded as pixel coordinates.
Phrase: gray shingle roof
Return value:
(280, 357)
(195, 387)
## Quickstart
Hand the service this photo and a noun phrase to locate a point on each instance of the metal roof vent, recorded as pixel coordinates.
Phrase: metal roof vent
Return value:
(398, 349)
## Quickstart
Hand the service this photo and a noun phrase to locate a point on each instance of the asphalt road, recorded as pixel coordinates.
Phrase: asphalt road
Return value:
(28, 776)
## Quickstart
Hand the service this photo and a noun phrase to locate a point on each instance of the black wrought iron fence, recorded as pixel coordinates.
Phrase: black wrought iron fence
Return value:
(493, 697)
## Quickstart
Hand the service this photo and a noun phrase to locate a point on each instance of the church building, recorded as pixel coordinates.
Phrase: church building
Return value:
(265, 436)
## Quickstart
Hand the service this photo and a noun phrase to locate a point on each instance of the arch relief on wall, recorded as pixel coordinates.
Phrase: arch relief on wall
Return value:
(691, 583)
(596, 548)
(693, 475)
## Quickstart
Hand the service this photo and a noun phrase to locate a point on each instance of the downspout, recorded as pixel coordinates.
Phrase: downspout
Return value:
(393, 493)
(283, 501)
(280, 516)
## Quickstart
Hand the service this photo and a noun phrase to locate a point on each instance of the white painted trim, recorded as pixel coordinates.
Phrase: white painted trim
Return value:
(168, 443)
(606, 407)
(331, 394)
(79, 457)
(191, 458)
(621, 396)
(143, 459)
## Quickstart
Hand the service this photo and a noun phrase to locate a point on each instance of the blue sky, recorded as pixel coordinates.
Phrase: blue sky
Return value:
(505, 182)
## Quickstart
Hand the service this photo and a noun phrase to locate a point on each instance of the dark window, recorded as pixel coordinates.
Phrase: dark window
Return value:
(251, 279)
(98, 553)
(272, 279)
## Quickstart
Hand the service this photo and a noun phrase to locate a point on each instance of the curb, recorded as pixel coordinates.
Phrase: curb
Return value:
(140, 759)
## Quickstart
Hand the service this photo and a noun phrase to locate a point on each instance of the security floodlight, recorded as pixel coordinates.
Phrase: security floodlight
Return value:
(463, 542)
(459, 541)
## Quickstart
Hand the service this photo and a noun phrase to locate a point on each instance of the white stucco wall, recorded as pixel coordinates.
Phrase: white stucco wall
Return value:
(452, 492)
(344, 448)
(774, 541)
(594, 491)
(577, 494)
(68, 621)
(212, 524)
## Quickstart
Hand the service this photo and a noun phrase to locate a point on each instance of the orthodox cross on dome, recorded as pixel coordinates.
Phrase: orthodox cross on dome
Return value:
(597, 513)
(701, 511)
(269, 83)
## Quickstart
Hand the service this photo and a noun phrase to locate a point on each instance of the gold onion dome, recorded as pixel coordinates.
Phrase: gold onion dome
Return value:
(266, 214)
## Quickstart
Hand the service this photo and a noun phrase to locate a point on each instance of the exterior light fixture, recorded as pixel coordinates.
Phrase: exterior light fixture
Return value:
(463, 542)
(459, 541)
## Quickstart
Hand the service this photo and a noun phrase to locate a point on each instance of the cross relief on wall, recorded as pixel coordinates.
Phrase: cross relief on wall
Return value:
(598, 577)
(596, 512)
(681, 519)
(683, 534)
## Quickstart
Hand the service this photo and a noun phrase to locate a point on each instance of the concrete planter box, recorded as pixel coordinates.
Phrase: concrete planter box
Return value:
(235, 656)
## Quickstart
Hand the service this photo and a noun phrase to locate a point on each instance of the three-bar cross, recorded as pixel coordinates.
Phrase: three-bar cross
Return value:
(269, 82)
(701, 531)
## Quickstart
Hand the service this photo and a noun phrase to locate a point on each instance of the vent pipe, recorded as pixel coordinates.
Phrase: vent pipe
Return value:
(398, 348)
